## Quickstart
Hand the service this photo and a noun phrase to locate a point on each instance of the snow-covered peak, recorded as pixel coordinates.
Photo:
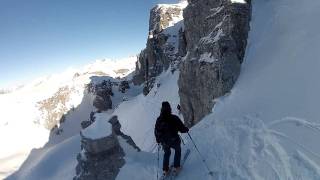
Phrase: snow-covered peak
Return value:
(181, 4)
(238, 1)
(45, 86)
(112, 68)
(166, 15)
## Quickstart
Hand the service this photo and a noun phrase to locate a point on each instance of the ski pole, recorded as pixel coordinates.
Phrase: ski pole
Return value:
(158, 161)
(202, 158)
(182, 140)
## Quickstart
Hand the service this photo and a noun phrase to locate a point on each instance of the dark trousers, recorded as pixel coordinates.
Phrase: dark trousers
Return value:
(167, 153)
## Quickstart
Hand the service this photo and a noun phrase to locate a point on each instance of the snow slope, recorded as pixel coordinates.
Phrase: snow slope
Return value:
(51, 162)
(138, 116)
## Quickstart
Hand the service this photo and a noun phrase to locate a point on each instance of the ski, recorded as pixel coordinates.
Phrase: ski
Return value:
(171, 175)
(165, 177)
(186, 155)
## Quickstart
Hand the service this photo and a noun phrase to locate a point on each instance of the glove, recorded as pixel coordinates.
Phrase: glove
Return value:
(186, 130)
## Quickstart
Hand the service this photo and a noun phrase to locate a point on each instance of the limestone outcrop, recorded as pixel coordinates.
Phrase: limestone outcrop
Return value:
(216, 35)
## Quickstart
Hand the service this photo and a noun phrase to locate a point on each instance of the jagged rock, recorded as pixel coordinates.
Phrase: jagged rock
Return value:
(96, 146)
(216, 36)
(123, 86)
(102, 103)
(53, 109)
(103, 93)
(116, 126)
(92, 117)
(162, 44)
(85, 124)
(182, 43)
(103, 157)
(161, 16)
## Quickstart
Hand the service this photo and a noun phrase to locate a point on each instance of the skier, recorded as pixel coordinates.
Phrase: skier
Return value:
(166, 132)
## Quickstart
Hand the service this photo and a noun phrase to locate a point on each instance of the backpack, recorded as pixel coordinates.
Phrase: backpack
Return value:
(161, 130)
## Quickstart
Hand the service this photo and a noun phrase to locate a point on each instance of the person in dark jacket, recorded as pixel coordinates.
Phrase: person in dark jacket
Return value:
(166, 132)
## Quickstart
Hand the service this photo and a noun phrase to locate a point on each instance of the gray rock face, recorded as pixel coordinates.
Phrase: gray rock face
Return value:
(182, 51)
(216, 35)
(102, 158)
(123, 86)
(103, 93)
(161, 16)
(87, 123)
(53, 109)
(162, 45)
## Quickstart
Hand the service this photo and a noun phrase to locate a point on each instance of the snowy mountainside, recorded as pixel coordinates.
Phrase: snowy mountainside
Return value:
(137, 117)
(49, 98)
(267, 127)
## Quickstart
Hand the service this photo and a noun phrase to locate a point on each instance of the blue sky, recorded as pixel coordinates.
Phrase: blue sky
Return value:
(40, 37)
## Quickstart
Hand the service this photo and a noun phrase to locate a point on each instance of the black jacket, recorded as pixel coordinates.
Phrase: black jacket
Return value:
(167, 128)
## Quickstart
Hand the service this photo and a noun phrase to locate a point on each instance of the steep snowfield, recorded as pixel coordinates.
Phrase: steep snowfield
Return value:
(21, 122)
(138, 116)
(52, 161)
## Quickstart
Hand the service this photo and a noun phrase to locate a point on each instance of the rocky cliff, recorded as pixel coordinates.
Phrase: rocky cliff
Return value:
(207, 44)
(216, 35)
(53, 109)
(102, 94)
(162, 49)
